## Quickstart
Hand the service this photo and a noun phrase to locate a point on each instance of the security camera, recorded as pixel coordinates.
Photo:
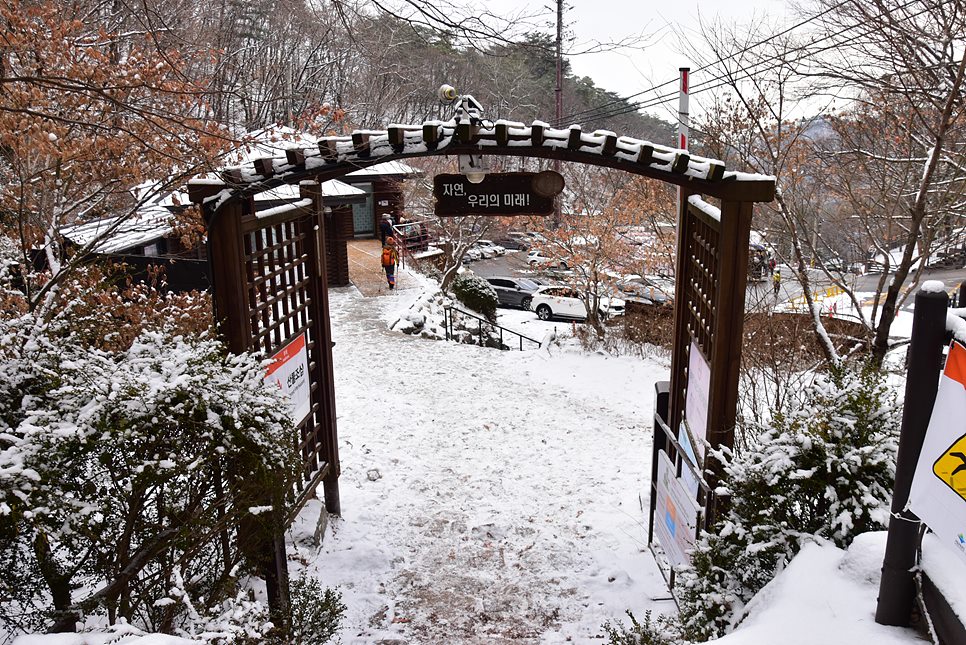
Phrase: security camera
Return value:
(447, 93)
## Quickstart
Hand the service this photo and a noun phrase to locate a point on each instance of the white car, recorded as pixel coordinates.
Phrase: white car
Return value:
(490, 249)
(537, 260)
(565, 302)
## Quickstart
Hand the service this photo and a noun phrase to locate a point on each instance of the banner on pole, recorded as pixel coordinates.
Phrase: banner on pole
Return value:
(938, 494)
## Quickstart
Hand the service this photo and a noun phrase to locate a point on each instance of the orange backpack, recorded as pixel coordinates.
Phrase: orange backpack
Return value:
(388, 256)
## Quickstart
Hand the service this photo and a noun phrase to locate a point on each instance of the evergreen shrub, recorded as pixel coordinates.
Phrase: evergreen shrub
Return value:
(476, 293)
(824, 472)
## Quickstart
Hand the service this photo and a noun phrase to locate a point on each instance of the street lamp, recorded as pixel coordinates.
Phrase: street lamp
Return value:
(473, 167)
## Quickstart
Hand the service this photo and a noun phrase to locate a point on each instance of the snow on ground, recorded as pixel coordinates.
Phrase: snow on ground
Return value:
(825, 595)
(493, 497)
(487, 496)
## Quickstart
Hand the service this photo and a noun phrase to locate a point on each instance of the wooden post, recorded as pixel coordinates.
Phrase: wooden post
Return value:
(261, 537)
(226, 255)
(897, 589)
(726, 358)
(322, 352)
(681, 338)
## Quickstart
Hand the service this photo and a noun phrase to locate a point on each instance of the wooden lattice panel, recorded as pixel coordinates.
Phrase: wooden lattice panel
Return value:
(278, 280)
(282, 282)
(701, 278)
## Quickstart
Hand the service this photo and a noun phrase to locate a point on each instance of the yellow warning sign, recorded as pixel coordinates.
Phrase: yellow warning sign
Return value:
(950, 468)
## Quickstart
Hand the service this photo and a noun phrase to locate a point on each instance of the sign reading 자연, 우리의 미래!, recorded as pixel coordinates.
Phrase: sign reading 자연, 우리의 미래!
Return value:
(290, 371)
(514, 193)
(938, 494)
(675, 514)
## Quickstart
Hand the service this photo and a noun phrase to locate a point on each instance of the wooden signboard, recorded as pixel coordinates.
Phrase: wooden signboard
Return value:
(517, 193)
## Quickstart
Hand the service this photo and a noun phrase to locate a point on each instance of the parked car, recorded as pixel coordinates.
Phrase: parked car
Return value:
(472, 254)
(537, 260)
(489, 249)
(565, 302)
(654, 290)
(514, 292)
(514, 243)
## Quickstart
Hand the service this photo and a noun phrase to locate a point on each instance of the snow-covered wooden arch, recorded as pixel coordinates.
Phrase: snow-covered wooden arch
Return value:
(268, 270)
(337, 156)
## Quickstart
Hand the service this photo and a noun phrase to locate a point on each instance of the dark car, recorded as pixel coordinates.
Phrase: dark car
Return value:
(513, 243)
(514, 292)
(652, 290)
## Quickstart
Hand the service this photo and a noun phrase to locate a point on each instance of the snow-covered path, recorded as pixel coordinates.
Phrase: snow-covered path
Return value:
(487, 496)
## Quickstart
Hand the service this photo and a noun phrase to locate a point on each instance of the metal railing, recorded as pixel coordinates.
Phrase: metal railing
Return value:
(482, 323)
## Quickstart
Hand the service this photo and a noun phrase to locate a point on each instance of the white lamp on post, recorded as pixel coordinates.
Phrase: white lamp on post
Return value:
(473, 167)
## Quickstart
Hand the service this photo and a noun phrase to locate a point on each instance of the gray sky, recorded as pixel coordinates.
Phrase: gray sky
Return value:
(630, 71)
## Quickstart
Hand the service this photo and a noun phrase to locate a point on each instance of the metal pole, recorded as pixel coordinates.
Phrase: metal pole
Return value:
(558, 101)
(897, 589)
(684, 130)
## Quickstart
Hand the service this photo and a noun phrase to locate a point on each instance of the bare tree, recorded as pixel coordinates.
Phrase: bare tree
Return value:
(892, 158)
(903, 63)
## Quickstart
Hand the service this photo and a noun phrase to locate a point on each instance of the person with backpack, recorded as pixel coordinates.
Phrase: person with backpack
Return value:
(389, 260)
(776, 282)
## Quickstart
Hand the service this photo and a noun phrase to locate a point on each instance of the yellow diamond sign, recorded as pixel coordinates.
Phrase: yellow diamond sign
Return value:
(950, 468)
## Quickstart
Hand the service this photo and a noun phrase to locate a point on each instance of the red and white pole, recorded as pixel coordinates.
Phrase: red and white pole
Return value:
(683, 129)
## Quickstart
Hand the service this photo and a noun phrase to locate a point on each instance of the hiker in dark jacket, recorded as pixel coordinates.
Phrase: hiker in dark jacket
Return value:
(385, 229)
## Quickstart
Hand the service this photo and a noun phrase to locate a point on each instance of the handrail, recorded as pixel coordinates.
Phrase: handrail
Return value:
(448, 326)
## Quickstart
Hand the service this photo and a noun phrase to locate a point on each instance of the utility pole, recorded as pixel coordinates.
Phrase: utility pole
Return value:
(558, 98)
(684, 129)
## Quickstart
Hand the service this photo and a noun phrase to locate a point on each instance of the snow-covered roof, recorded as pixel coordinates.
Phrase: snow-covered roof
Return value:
(331, 188)
(387, 168)
(147, 224)
(272, 141)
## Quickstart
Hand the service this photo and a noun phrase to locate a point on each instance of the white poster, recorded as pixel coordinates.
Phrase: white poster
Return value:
(675, 514)
(696, 401)
(938, 494)
(290, 371)
(687, 478)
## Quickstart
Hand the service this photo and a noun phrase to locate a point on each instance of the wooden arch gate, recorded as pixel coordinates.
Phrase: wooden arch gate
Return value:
(269, 281)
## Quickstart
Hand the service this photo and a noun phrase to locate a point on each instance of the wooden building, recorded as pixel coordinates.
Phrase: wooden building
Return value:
(382, 184)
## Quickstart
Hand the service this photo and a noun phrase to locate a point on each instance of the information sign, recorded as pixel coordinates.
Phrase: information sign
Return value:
(518, 193)
(696, 402)
(290, 371)
(675, 514)
(938, 494)
(687, 478)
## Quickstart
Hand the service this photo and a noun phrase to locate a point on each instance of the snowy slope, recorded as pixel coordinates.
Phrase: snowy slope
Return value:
(825, 595)
(487, 496)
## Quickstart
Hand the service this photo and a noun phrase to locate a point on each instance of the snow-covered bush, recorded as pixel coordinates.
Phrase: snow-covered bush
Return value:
(128, 459)
(476, 293)
(823, 472)
(316, 612)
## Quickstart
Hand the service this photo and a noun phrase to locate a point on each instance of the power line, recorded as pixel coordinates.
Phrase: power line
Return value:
(619, 110)
(624, 100)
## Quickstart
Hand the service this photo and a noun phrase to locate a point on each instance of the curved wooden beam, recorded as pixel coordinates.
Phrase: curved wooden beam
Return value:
(335, 157)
